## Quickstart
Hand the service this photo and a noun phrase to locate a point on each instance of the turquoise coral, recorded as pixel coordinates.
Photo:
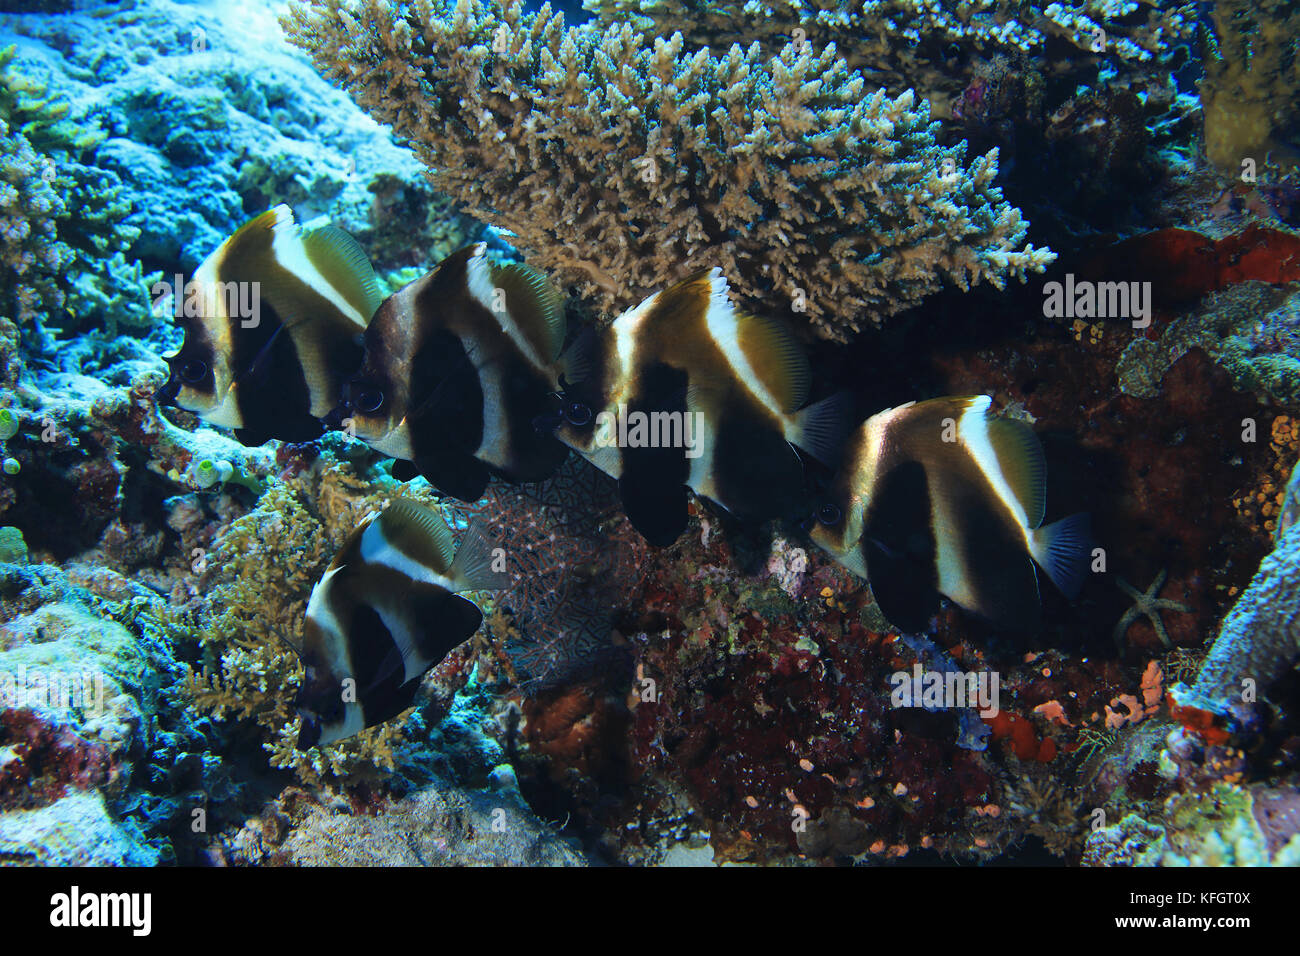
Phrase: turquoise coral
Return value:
(1260, 638)
(620, 164)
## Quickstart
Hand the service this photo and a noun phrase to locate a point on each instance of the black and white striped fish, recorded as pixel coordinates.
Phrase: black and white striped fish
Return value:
(388, 608)
(457, 366)
(940, 497)
(686, 391)
(275, 369)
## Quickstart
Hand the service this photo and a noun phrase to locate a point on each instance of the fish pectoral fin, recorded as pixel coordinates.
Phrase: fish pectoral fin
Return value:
(583, 358)
(658, 510)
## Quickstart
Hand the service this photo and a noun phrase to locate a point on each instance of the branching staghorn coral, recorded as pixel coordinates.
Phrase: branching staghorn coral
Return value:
(63, 230)
(622, 164)
(31, 255)
(261, 575)
(930, 46)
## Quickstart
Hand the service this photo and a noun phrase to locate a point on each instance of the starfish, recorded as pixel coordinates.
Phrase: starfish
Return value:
(1148, 605)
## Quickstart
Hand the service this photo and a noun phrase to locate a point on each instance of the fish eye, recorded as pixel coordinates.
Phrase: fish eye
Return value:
(577, 413)
(829, 514)
(367, 399)
(193, 371)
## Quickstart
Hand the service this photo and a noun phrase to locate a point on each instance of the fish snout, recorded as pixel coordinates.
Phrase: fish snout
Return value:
(336, 416)
(168, 391)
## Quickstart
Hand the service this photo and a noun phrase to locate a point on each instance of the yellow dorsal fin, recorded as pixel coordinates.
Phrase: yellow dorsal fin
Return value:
(343, 263)
(420, 533)
(248, 249)
(1020, 458)
(535, 306)
(776, 358)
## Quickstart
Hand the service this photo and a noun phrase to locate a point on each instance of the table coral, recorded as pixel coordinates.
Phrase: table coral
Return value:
(932, 46)
(620, 164)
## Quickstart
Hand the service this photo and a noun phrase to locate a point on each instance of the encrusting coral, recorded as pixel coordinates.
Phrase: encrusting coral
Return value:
(620, 164)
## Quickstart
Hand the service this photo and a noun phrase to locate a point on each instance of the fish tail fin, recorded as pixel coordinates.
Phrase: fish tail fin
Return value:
(821, 428)
(1062, 549)
(480, 562)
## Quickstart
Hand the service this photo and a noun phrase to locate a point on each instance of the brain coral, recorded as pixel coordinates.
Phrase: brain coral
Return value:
(621, 164)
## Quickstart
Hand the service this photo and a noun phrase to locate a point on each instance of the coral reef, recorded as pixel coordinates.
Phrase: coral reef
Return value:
(1257, 644)
(1080, 99)
(1252, 329)
(31, 255)
(76, 830)
(619, 164)
(165, 132)
(931, 47)
(435, 826)
(1252, 79)
(1224, 826)
(86, 722)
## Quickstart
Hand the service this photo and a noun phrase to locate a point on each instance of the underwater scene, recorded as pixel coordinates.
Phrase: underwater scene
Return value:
(649, 433)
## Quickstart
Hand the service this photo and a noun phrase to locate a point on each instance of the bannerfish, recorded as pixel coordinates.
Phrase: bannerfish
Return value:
(457, 366)
(388, 608)
(273, 321)
(940, 497)
(687, 391)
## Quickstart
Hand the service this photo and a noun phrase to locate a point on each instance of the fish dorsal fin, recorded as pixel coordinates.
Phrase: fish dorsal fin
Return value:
(312, 280)
(246, 252)
(478, 565)
(535, 306)
(776, 358)
(419, 533)
(582, 360)
(344, 264)
(1020, 459)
